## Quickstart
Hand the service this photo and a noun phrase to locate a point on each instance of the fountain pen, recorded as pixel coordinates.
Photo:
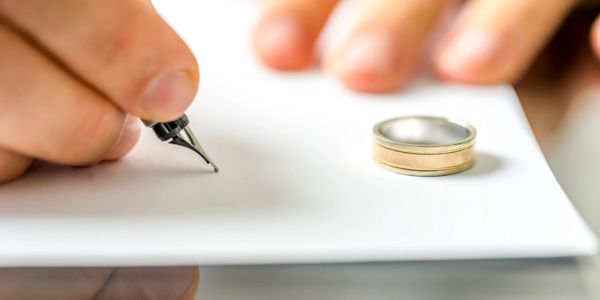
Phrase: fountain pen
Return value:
(178, 132)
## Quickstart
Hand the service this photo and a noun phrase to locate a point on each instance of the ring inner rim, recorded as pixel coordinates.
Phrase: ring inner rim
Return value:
(386, 133)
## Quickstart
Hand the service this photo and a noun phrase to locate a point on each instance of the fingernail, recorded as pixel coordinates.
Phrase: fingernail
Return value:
(470, 54)
(168, 283)
(283, 43)
(370, 62)
(168, 95)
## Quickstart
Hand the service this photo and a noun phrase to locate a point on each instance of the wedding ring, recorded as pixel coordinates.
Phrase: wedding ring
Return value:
(424, 146)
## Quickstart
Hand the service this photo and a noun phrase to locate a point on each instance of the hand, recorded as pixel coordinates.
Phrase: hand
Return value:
(165, 283)
(565, 74)
(491, 41)
(76, 74)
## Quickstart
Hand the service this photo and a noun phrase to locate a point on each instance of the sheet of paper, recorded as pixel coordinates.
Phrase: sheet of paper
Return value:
(298, 183)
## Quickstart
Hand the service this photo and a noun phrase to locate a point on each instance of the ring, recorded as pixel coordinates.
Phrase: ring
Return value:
(424, 146)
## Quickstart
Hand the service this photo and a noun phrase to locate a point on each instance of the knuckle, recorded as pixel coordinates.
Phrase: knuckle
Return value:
(110, 44)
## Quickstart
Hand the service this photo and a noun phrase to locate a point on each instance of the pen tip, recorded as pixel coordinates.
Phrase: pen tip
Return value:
(215, 168)
(187, 139)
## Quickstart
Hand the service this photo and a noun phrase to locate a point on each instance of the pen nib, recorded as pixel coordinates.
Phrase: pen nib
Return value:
(187, 139)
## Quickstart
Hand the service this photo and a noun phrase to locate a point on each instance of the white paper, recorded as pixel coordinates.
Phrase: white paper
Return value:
(298, 183)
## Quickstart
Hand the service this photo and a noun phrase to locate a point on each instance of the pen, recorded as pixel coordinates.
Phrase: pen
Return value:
(178, 132)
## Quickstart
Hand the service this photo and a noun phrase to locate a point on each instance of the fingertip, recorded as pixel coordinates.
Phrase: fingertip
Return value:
(366, 78)
(168, 95)
(128, 139)
(494, 42)
(471, 56)
(595, 36)
(283, 43)
(162, 75)
(370, 62)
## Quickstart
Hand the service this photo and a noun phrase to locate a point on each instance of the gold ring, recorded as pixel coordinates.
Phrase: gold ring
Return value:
(424, 146)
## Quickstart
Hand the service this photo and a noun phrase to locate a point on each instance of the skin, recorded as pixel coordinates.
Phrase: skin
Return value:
(82, 72)
(79, 81)
(491, 41)
(565, 73)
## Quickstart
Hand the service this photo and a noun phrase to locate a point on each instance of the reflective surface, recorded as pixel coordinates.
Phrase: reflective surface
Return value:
(98, 283)
(424, 131)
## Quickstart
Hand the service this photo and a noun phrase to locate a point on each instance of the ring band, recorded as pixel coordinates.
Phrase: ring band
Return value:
(424, 146)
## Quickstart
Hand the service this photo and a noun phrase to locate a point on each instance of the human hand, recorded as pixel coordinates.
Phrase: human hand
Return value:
(76, 74)
(565, 74)
(491, 41)
(164, 283)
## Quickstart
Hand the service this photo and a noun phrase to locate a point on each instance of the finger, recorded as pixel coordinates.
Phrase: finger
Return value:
(285, 35)
(47, 114)
(52, 283)
(495, 41)
(386, 44)
(168, 283)
(12, 165)
(595, 36)
(129, 137)
(122, 47)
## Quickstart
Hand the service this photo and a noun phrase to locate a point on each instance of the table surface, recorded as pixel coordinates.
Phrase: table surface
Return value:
(572, 153)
